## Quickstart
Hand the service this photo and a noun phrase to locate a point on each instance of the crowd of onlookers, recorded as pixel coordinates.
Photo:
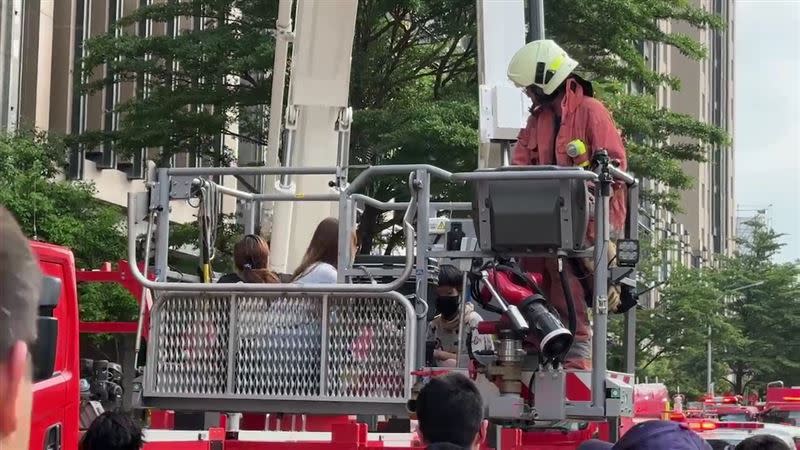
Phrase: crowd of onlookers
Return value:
(449, 408)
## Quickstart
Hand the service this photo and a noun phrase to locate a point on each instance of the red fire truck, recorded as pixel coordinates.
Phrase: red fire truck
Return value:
(782, 405)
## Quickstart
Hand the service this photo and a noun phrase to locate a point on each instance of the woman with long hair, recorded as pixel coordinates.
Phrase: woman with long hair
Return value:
(251, 258)
(320, 263)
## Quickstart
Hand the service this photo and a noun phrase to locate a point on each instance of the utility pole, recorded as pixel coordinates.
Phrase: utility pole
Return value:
(535, 20)
(709, 384)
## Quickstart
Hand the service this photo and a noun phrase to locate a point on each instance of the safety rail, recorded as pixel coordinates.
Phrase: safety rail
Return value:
(275, 348)
(267, 352)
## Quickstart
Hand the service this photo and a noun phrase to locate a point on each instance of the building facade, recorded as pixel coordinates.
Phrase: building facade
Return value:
(709, 209)
(706, 225)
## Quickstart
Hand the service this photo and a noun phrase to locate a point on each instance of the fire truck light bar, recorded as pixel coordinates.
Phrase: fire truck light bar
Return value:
(708, 425)
(702, 426)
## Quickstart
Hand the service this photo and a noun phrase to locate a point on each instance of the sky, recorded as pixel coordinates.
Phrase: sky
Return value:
(767, 114)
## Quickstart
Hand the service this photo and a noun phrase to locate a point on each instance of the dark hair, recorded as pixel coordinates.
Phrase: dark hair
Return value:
(450, 276)
(251, 257)
(450, 410)
(762, 442)
(20, 286)
(113, 431)
(323, 248)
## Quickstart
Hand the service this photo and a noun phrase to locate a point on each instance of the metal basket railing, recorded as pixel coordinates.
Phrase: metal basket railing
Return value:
(281, 352)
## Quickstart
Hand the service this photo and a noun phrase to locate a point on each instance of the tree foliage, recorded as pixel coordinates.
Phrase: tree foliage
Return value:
(414, 93)
(607, 37)
(753, 326)
(193, 87)
(413, 83)
(60, 212)
(768, 314)
(671, 339)
(64, 213)
(226, 235)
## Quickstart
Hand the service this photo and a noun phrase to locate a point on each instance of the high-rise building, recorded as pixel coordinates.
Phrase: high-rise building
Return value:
(707, 93)
(706, 225)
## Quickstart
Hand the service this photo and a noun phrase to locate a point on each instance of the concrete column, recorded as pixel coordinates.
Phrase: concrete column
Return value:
(44, 65)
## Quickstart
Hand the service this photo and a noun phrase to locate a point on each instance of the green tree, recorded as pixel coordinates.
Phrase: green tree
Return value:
(192, 88)
(607, 37)
(671, 339)
(64, 213)
(414, 93)
(767, 315)
(227, 234)
(413, 83)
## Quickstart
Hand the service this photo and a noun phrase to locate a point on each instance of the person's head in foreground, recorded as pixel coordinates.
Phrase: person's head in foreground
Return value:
(20, 286)
(762, 442)
(112, 431)
(653, 435)
(450, 413)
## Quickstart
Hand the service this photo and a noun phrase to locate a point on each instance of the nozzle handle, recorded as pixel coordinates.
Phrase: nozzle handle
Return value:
(517, 321)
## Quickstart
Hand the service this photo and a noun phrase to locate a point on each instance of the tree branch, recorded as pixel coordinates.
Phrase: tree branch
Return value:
(245, 138)
(655, 357)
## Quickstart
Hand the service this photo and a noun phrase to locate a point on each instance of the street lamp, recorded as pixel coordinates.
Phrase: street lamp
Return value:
(709, 385)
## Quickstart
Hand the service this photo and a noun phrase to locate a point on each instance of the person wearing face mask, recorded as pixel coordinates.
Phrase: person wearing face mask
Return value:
(566, 126)
(443, 329)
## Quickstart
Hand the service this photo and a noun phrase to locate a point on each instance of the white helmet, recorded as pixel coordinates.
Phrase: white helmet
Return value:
(541, 63)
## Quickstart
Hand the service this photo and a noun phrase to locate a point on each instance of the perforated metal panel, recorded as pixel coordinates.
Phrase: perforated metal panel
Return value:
(194, 352)
(279, 347)
(330, 348)
(367, 349)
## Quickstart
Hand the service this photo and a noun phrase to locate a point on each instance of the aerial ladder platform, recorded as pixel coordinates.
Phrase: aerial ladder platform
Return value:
(358, 348)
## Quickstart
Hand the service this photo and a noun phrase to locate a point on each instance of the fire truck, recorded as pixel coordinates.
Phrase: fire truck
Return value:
(339, 355)
(729, 408)
(782, 404)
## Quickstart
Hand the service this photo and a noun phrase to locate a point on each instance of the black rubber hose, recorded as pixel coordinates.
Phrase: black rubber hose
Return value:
(571, 316)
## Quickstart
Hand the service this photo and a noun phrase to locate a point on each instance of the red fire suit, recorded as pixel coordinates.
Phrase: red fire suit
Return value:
(544, 141)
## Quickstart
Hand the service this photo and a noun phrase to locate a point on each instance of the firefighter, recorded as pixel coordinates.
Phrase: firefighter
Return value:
(566, 126)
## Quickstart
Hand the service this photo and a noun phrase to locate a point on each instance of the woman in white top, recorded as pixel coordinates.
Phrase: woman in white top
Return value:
(319, 265)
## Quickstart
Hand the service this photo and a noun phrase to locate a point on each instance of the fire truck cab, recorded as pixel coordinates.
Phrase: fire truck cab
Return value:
(56, 392)
(782, 405)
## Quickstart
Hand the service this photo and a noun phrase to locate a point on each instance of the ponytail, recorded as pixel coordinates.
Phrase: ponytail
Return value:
(259, 276)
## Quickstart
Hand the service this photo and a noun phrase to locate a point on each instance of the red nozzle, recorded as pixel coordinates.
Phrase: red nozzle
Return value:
(487, 327)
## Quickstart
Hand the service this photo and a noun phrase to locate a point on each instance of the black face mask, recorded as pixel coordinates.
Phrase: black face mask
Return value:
(448, 306)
